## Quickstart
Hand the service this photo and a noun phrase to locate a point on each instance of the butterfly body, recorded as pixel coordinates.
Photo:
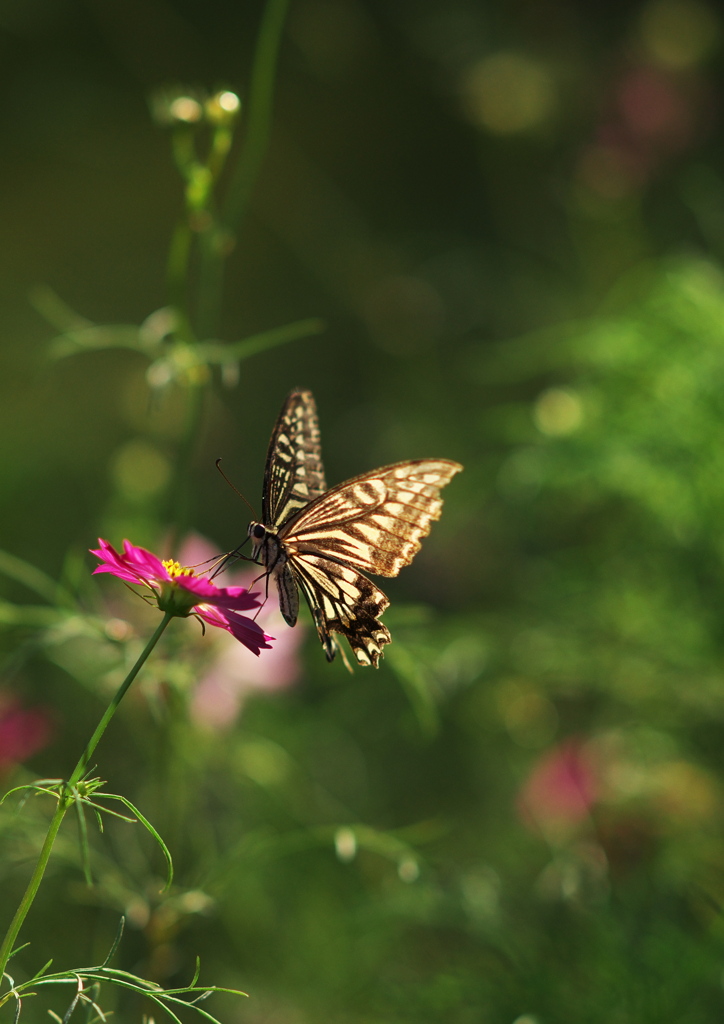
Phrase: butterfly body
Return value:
(322, 541)
(269, 551)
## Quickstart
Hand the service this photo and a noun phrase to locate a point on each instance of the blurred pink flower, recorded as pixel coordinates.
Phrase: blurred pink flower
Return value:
(560, 790)
(179, 590)
(234, 674)
(650, 114)
(654, 108)
(23, 731)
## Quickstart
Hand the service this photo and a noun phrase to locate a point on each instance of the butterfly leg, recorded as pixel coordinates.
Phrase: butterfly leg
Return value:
(230, 558)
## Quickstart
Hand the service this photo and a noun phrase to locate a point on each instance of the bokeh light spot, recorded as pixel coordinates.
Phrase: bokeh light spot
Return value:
(529, 716)
(679, 33)
(195, 901)
(481, 890)
(118, 629)
(185, 108)
(222, 107)
(345, 844)
(140, 470)
(508, 93)
(228, 101)
(558, 412)
(265, 762)
(408, 870)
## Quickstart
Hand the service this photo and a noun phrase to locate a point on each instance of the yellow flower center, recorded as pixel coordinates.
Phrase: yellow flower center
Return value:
(176, 569)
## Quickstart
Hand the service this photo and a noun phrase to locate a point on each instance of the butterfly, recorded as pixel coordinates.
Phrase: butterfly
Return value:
(321, 541)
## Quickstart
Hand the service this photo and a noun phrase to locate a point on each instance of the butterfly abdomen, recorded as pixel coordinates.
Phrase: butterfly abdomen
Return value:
(269, 552)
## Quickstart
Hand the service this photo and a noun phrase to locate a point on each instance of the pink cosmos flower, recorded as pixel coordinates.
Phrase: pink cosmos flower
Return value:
(180, 591)
(561, 789)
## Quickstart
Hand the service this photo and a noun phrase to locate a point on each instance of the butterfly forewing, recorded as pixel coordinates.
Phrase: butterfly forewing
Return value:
(375, 521)
(294, 473)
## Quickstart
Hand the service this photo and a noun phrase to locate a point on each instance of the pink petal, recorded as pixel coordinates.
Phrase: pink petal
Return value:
(237, 598)
(148, 564)
(243, 629)
(135, 565)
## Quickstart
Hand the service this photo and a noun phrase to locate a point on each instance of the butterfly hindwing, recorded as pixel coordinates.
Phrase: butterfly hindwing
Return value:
(344, 601)
(294, 473)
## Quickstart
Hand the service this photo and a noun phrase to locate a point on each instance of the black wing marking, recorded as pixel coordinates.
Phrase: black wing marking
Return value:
(344, 601)
(294, 473)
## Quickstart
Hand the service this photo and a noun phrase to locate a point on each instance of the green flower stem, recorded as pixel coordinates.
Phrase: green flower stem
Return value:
(33, 885)
(80, 768)
(66, 799)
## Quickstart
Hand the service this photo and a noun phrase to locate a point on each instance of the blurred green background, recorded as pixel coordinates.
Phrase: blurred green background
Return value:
(510, 218)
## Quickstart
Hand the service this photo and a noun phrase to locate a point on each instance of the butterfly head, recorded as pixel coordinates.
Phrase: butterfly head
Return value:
(266, 548)
(257, 532)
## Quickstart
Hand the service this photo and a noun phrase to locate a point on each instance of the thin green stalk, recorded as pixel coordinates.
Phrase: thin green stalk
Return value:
(177, 271)
(66, 800)
(212, 241)
(178, 500)
(212, 253)
(258, 109)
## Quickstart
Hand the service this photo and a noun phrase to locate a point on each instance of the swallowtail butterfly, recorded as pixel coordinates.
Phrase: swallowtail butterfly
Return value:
(323, 540)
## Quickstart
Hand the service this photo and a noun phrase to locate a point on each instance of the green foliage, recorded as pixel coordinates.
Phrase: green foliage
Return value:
(88, 982)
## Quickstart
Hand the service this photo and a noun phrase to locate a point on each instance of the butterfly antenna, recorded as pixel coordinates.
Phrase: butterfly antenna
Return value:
(214, 558)
(234, 488)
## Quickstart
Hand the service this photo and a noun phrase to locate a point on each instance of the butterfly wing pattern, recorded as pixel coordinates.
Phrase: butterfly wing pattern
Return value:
(294, 474)
(322, 541)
